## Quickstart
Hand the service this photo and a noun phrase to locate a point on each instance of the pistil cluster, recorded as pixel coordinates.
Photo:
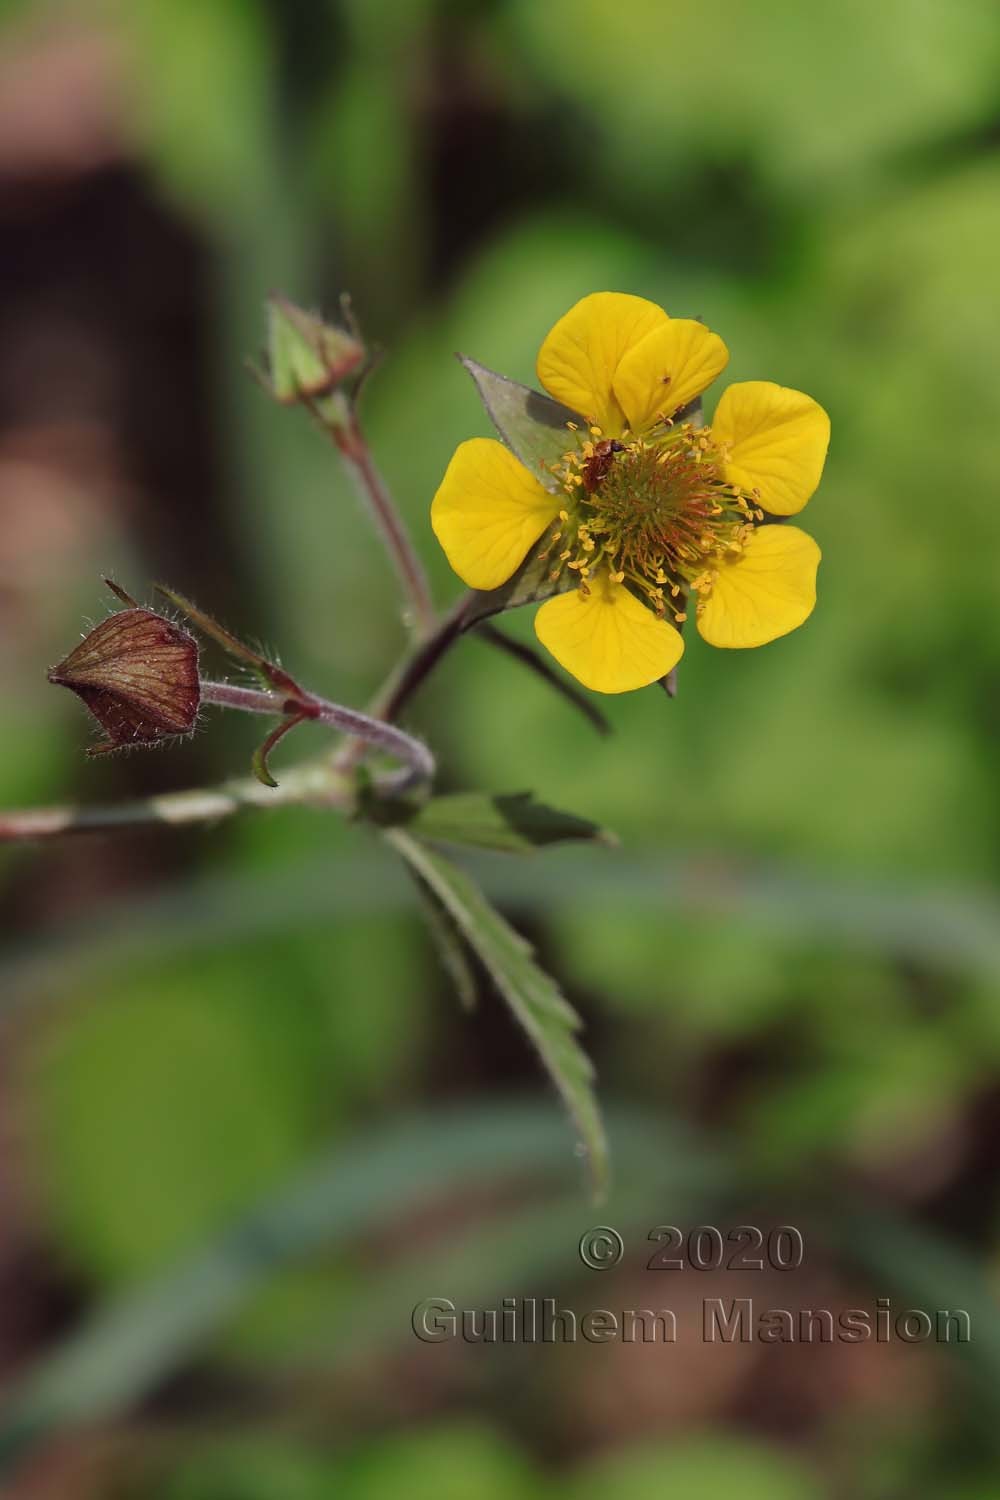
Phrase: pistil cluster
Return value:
(655, 512)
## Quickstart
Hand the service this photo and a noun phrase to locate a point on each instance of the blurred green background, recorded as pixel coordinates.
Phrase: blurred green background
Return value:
(790, 973)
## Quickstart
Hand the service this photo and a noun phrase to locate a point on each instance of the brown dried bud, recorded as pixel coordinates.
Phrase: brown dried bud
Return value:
(138, 674)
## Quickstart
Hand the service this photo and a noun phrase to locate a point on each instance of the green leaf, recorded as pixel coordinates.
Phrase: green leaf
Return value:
(549, 1020)
(514, 823)
(533, 426)
(454, 954)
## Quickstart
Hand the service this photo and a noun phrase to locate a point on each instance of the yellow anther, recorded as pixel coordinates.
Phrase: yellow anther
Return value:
(595, 432)
(618, 577)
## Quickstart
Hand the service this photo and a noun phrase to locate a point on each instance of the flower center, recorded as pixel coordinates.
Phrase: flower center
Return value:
(656, 513)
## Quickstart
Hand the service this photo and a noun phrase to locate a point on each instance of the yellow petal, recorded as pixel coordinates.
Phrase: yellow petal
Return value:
(488, 512)
(766, 591)
(776, 441)
(578, 359)
(607, 639)
(667, 369)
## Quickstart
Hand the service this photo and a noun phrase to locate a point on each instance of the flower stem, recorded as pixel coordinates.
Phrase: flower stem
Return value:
(414, 670)
(339, 421)
(317, 783)
(376, 734)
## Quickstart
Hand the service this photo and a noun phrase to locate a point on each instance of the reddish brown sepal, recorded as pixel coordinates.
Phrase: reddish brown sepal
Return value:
(138, 674)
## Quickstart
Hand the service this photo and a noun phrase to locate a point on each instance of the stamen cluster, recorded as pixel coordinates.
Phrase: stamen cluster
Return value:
(656, 512)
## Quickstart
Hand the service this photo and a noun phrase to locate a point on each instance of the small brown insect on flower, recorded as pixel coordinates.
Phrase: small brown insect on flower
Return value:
(597, 465)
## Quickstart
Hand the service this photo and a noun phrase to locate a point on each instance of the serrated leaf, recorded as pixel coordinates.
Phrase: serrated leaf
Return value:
(454, 953)
(513, 823)
(533, 426)
(549, 1020)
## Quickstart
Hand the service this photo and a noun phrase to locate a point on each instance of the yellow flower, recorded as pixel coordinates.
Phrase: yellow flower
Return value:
(645, 507)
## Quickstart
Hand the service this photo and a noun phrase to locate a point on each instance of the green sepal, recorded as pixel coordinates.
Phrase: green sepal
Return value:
(533, 426)
(306, 357)
(531, 584)
(269, 672)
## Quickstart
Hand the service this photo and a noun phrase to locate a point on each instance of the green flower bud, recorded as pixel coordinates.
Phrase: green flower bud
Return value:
(307, 358)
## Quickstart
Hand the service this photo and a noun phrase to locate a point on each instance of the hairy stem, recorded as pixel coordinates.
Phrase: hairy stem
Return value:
(408, 676)
(321, 783)
(341, 425)
(375, 734)
(404, 683)
(317, 783)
